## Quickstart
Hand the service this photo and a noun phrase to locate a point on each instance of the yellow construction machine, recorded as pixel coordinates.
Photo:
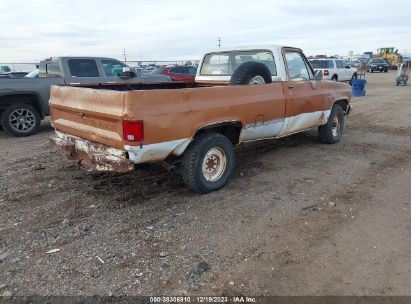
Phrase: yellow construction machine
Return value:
(392, 57)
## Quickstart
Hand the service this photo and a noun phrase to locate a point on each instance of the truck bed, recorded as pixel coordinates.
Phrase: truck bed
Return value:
(170, 111)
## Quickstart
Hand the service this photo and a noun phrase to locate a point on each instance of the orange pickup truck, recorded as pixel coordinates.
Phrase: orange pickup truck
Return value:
(239, 95)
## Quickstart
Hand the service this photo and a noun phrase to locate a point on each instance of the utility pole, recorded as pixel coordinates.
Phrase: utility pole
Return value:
(219, 42)
(125, 55)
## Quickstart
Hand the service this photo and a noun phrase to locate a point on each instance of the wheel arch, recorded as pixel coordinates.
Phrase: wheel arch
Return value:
(31, 98)
(230, 128)
(343, 103)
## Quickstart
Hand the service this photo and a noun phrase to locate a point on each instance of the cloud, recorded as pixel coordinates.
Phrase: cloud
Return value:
(164, 29)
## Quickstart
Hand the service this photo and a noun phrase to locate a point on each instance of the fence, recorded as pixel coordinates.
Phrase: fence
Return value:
(20, 67)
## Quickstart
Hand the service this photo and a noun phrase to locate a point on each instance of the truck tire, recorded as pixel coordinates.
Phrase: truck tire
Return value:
(251, 72)
(332, 131)
(334, 78)
(208, 163)
(20, 120)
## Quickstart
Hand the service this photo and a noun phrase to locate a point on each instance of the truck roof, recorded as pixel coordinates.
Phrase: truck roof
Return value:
(250, 47)
(83, 57)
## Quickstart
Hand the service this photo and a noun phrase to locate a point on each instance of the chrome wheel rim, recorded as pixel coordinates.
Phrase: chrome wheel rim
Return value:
(257, 80)
(22, 120)
(214, 164)
(335, 126)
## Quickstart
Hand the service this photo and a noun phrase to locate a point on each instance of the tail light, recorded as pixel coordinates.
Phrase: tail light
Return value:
(133, 130)
(326, 73)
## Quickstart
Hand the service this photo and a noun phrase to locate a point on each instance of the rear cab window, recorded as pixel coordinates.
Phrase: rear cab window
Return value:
(83, 68)
(225, 63)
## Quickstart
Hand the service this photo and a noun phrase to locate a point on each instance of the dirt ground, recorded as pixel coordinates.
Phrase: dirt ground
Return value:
(298, 217)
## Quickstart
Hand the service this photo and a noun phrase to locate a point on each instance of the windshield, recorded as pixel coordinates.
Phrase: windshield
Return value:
(33, 74)
(378, 61)
(225, 63)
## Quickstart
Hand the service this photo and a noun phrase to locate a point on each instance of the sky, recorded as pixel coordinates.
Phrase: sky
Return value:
(177, 30)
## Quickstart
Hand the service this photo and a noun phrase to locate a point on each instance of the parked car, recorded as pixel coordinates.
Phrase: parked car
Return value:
(335, 69)
(406, 59)
(377, 64)
(4, 69)
(240, 95)
(177, 73)
(24, 102)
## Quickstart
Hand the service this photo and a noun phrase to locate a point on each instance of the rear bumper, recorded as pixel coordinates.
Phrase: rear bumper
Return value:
(90, 155)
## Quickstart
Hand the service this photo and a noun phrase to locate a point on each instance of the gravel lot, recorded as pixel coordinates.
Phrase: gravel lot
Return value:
(298, 218)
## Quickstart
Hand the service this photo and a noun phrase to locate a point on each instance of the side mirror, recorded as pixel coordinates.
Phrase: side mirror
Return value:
(318, 75)
(127, 73)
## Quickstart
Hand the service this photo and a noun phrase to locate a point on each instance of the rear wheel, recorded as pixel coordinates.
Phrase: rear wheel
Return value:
(208, 163)
(332, 131)
(20, 120)
(334, 78)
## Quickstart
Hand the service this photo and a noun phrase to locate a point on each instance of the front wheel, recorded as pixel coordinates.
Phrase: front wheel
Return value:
(208, 163)
(20, 120)
(332, 131)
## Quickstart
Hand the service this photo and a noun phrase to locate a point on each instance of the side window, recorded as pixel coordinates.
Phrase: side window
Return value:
(297, 67)
(175, 70)
(83, 68)
(340, 64)
(112, 67)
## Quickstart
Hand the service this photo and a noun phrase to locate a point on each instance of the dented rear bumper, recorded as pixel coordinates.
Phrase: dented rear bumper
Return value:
(92, 156)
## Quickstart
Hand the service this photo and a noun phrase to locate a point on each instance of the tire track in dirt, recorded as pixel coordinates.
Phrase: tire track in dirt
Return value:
(280, 254)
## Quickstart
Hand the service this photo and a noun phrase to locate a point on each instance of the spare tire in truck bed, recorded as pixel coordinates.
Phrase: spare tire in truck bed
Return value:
(251, 72)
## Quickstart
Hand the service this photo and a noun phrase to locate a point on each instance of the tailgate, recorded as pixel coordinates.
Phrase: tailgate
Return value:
(91, 114)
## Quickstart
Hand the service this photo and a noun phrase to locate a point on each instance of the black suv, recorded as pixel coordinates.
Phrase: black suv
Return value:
(377, 65)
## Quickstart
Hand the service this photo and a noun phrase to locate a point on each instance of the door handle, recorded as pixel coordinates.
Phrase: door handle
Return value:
(290, 87)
